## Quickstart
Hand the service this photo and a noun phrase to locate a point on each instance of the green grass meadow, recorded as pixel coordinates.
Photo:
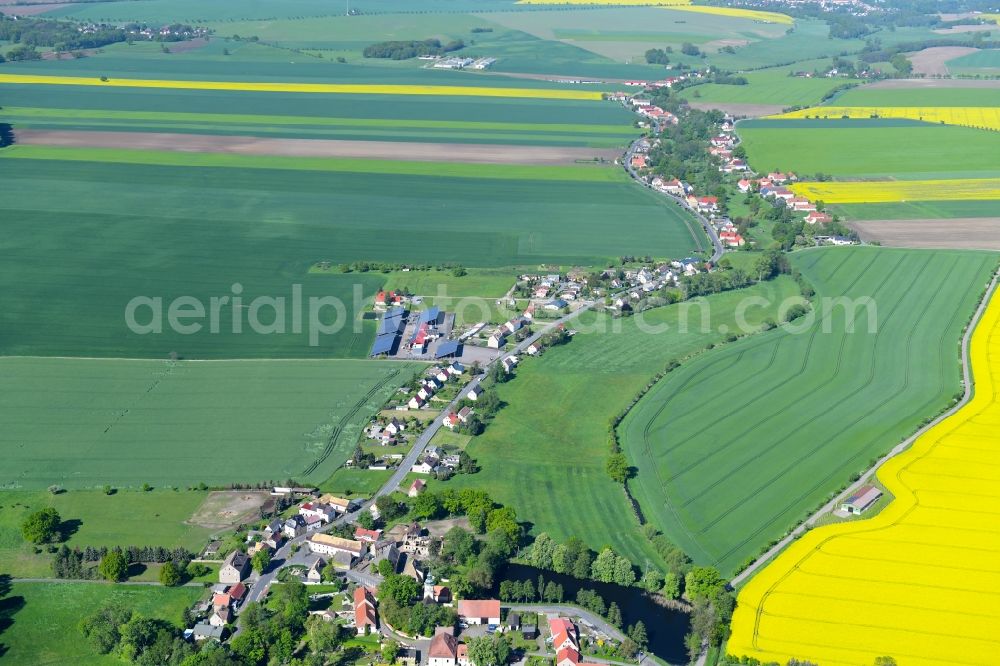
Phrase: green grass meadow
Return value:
(44, 618)
(82, 423)
(544, 453)
(127, 517)
(768, 86)
(736, 446)
(867, 148)
(915, 210)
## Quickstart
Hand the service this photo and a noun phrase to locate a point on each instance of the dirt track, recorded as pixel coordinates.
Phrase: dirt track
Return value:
(935, 83)
(244, 145)
(931, 62)
(739, 110)
(970, 233)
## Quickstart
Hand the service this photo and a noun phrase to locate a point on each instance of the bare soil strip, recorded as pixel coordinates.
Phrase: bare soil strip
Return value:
(932, 61)
(388, 150)
(970, 233)
(739, 110)
(935, 83)
(955, 29)
(27, 10)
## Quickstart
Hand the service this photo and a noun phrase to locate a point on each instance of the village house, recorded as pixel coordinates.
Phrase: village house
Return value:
(450, 421)
(416, 402)
(294, 526)
(456, 369)
(440, 594)
(221, 616)
(365, 616)
(315, 572)
(567, 657)
(371, 536)
(326, 544)
(496, 341)
(534, 348)
(235, 568)
(341, 504)
(479, 611)
(474, 392)
(205, 631)
(564, 634)
(744, 185)
(416, 487)
(815, 217)
(325, 512)
(445, 650)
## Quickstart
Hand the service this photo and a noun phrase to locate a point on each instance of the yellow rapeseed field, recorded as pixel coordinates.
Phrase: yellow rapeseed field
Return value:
(770, 17)
(604, 2)
(342, 88)
(982, 117)
(892, 191)
(920, 581)
(681, 5)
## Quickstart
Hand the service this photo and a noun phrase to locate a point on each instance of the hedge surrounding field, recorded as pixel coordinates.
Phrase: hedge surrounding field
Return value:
(44, 618)
(83, 423)
(870, 148)
(735, 447)
(544, 453)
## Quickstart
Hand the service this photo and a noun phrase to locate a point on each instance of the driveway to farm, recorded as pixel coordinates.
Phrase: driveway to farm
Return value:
(284, 556)
(717, 248)
(466, 153)
(899, 448)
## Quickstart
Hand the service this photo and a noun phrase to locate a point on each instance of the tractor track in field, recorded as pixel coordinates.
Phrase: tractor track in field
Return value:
(865, 478)
(880, 436)
(345, 420)
(812, 451)
(767, 419)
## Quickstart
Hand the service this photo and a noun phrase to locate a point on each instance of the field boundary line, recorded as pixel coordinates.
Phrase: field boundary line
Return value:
(208, 360)
(967, 380)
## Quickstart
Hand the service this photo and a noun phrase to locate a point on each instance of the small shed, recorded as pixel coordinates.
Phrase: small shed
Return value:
(861, 500)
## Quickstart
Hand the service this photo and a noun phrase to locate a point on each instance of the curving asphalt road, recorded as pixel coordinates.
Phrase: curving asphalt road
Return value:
(283, 556)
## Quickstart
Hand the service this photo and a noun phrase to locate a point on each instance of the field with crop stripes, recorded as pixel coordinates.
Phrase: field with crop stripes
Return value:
(736, 446)
(870, 148)
(323, 127)
(917, 582)
(544, 453)
(121, 230)
(82, 423)
(970, 189)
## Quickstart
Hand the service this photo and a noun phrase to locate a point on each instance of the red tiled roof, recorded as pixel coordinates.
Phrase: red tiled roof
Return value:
(364, 608)
(443, 646)
(481, 608)
(561, 624)
(568, 653)
(237, 591)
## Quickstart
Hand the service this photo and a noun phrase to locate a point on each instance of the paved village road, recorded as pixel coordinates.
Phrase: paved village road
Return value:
(717, 248)
(282, 556)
